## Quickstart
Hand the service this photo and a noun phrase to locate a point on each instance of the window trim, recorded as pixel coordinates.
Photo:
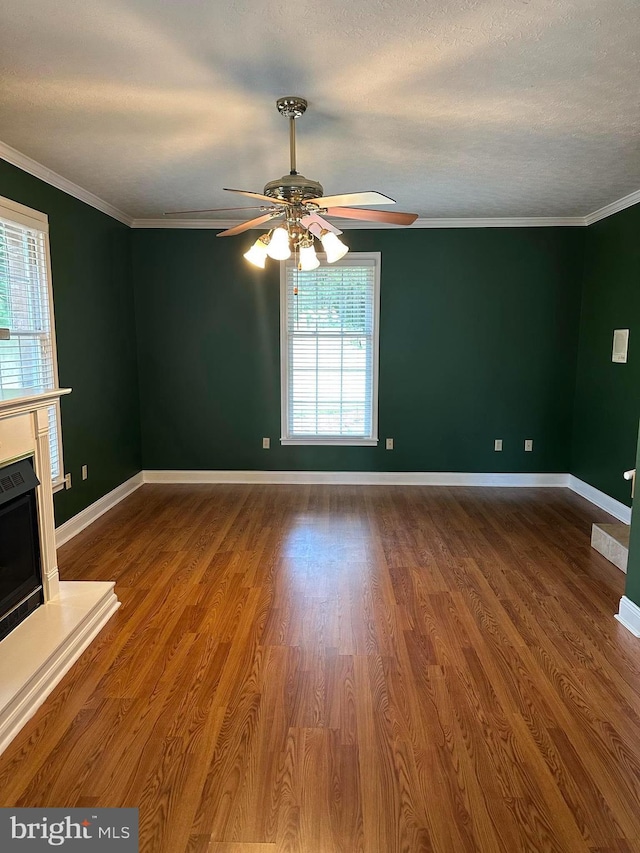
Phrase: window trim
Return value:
(28, 217)
(329, 440)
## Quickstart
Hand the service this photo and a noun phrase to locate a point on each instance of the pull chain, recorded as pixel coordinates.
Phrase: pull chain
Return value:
(295, 287)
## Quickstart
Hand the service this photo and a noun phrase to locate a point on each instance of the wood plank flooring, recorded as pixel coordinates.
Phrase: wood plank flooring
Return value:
(335, 669)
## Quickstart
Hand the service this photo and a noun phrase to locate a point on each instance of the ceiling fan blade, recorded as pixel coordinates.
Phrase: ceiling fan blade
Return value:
(369, 197)
(316, 223)
(257, 195)
(213, 210)
(244, 226)
(389, 216)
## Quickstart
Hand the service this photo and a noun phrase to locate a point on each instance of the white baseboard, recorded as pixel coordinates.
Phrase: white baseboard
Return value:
(595, 496)
(79, 522)
(629, 615)
(41, 650)
(83, 519)
(358, 478)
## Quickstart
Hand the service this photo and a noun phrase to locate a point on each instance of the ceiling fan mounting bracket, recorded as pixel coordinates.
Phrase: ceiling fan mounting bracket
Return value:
(291, 106)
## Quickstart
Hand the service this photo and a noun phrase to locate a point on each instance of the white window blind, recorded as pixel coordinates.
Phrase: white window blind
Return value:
(330, 352)
(27, 358)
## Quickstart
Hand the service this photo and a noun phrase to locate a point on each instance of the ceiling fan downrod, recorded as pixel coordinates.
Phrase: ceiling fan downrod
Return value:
(292, 107)
(293, 188)
(292, 145)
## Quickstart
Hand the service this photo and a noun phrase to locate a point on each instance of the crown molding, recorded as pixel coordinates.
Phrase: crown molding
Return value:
(502, 222)
(614, 207)
(193, 224)
(505, 222)
(32, 167)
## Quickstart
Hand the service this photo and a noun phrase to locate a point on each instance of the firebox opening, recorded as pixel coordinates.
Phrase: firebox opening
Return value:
(20, 565)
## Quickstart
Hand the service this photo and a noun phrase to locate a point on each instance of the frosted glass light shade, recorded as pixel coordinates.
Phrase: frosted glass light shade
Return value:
(279, 248)
(333, 246)
(257, 254)
(308, 259)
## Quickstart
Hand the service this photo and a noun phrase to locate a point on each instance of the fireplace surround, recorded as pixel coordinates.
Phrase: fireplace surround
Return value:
(37, 652)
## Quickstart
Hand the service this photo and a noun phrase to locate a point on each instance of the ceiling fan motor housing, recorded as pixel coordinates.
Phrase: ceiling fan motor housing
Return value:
(293, 188)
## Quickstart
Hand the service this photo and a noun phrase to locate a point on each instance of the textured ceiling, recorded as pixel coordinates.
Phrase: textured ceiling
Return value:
(456, 108)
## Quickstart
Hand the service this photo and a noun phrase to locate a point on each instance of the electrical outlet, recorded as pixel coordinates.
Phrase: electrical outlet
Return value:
(389, 444)
(67, 481)
(266, 443)
(497, 444)
(85, 472)
(528, 444)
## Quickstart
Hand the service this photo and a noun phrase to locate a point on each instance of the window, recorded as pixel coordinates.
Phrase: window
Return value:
(329, 352)
(28, 355)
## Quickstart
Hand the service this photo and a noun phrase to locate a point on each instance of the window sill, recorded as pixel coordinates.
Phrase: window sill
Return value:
(328, 441)
(58, 487)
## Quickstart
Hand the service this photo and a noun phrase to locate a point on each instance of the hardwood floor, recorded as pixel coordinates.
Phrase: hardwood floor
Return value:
(335, 668)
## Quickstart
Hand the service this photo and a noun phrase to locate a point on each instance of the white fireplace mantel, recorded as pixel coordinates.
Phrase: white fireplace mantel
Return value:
(20, 400)
(37, 654)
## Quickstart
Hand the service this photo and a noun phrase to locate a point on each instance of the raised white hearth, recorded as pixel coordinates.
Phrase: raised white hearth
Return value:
(36, 655)
(42, 648)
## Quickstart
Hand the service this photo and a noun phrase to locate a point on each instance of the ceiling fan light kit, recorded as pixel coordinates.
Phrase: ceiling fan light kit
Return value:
(301, 202)
(257, 254)
(308, 260)
(279, 248)
(333, 246)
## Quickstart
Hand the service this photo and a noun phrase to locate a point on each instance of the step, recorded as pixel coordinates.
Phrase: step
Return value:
(612, 541)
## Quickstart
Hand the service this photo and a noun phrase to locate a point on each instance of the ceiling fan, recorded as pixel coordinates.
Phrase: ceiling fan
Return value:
(301, 203)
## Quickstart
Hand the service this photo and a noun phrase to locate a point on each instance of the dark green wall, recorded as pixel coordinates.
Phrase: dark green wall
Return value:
(607, 404)
(90, 258)
(478, 341)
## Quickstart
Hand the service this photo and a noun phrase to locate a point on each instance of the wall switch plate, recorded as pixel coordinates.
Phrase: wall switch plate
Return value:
(85, 472)
(266, 443)
(497, 444)
(67, 481)
(620, 346)
(528, 444)
(388, 444)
